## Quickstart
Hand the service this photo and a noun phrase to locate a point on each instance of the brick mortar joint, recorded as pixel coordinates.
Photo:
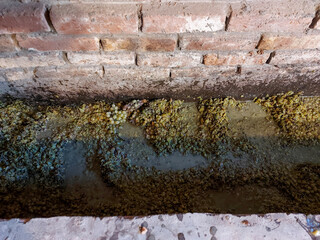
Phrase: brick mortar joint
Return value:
(262, 36)
(272, 55)
(316, 18)
(48, 19)
(136, 59)
(220, 33)
(16, 42)
(140, 18)
(178, 42)
(65, 57)
(228, 17)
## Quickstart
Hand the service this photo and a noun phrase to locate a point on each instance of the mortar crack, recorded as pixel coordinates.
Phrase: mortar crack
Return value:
(65, 57)
(315, 19)
(228, 18)
(272, 54)
(15, 41)
(259, 42)
(100, 45)
(103, 71)
(178, 42)
(202, 59)
(140, 18)
(35, 72)
(136, 59)
(47, 17)
(239, 69)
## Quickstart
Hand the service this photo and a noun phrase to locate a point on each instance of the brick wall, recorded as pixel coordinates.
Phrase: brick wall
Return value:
(70, 49)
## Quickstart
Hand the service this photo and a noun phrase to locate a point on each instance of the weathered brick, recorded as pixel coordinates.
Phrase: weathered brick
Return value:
(236, 58)
(63, 89)
(31, 60)
(18, 74)
(104, 58)
(7, 44)
(61, 43)
(94, 18)
(283, 41)
(195, 78)
(136, 73)
(271, 15)
(315, 24)
(22, 18)
(188, 82)
(219, 41)
(296, 57)
(68, 72)
(184, 17)
(217, 81)
(202, 73)
(152, 44)
(116, 44)
(169, 59)
(57, 83)
(221, 81)
(122, 81)
(147, 81)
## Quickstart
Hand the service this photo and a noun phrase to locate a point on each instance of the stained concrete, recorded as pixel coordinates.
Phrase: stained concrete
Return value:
(179, 226)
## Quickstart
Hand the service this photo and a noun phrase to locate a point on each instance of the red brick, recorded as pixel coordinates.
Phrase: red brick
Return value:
(271, 15)
(7, 44)
(184, 17)
(22, 18)
(152, 44)
(61, 43)
(94, 18)
(169, 59)
(104, 58)
(236, 58)
(296, 57)
(31, 60)
(287, 41)
(220, 41)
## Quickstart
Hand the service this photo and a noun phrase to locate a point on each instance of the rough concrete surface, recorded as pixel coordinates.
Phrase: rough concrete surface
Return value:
(180, 226)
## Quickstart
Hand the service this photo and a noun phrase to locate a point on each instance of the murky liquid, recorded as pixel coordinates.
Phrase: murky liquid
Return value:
(255, 171)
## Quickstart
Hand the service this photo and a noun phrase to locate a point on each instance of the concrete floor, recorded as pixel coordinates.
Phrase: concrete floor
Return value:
(279, 226)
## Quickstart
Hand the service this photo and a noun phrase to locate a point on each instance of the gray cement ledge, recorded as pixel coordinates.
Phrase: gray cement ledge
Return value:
(279, 226)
